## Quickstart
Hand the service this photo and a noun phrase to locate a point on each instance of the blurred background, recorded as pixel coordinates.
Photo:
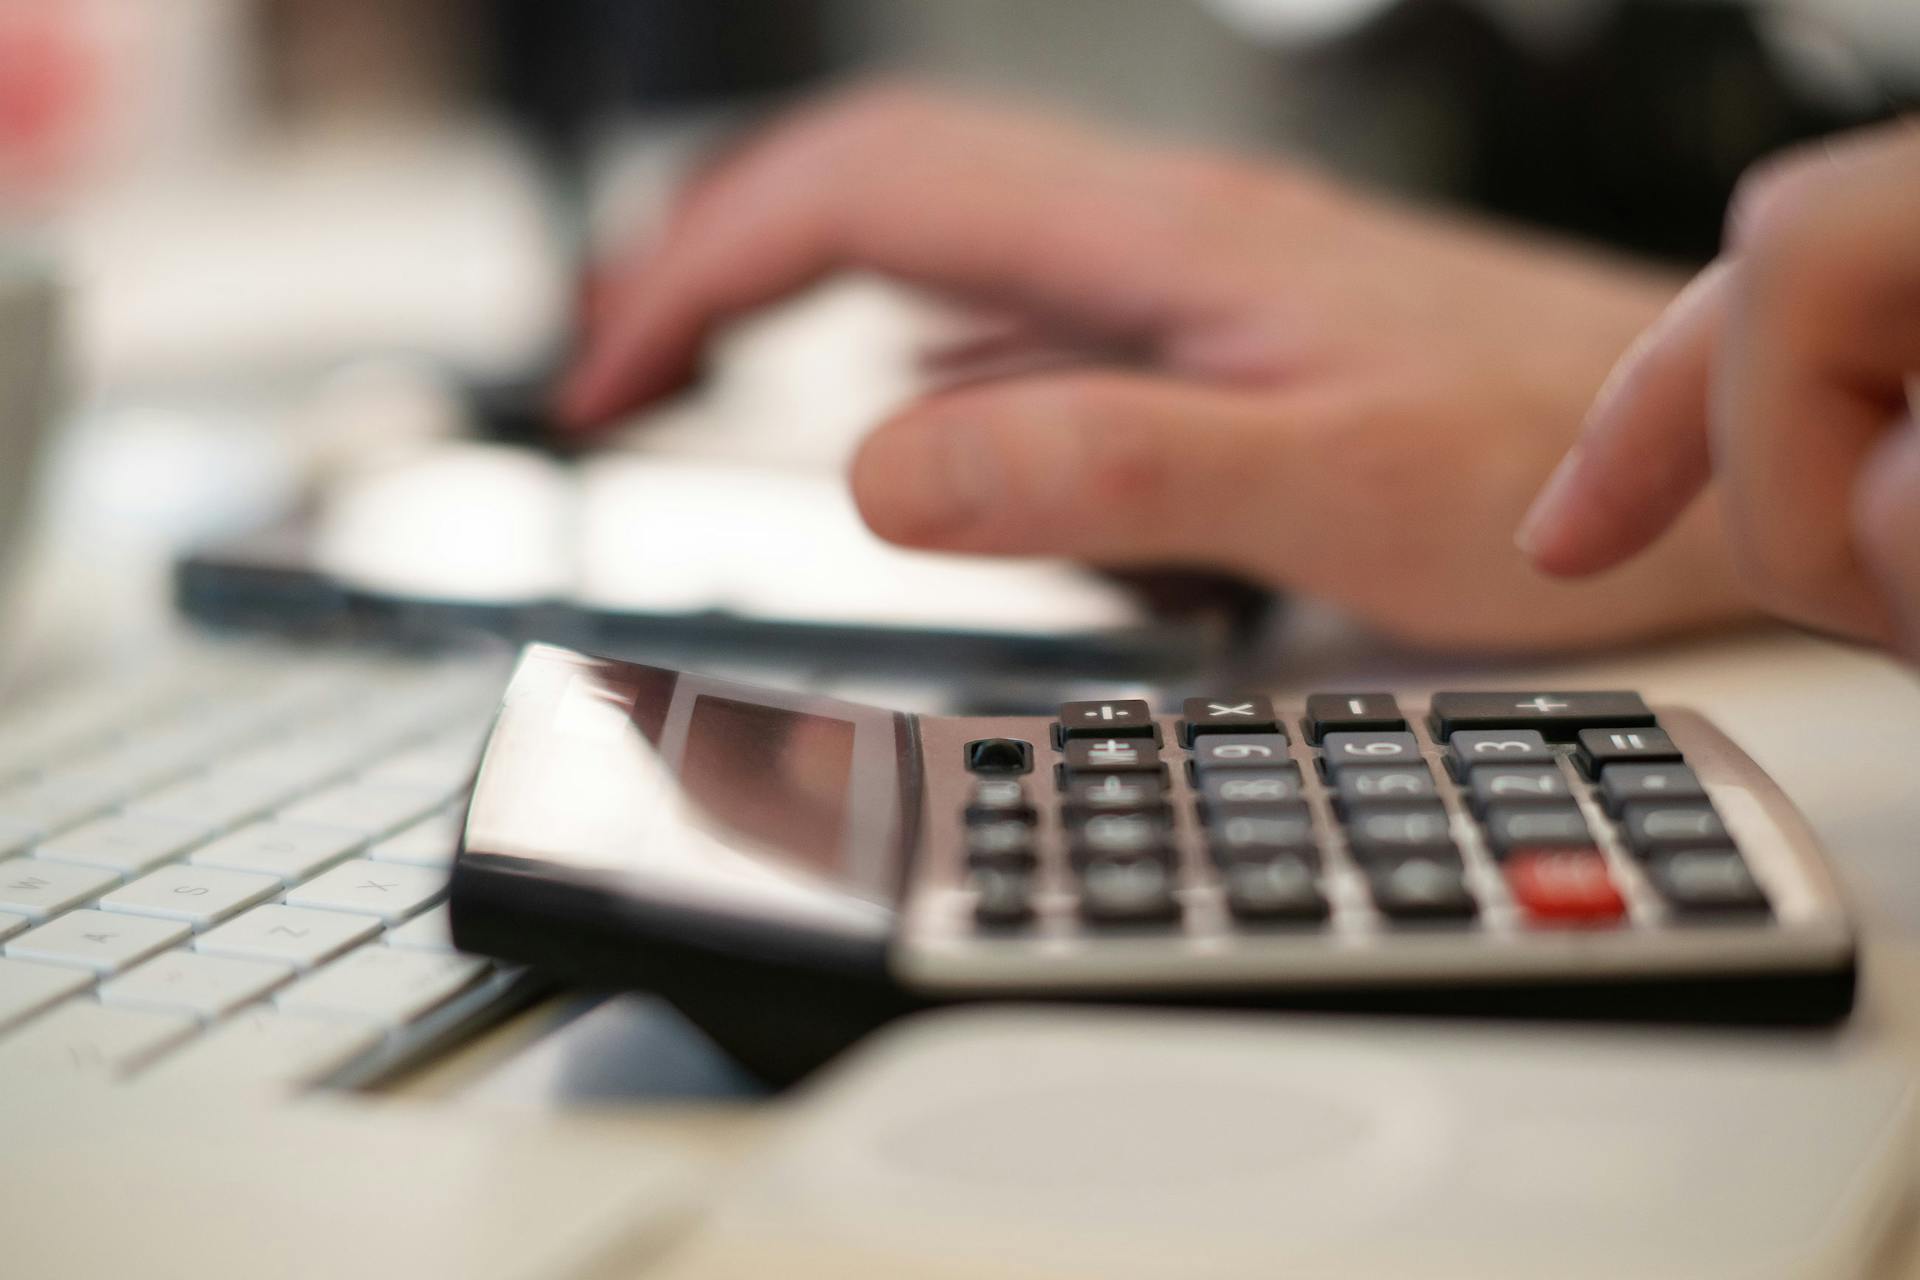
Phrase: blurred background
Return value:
(281, 235)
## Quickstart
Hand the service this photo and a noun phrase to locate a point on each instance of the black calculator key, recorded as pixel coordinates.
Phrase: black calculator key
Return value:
(1422, 887)
(1001, 842)
(1528, 784)
(1112, 755)
(1261, 833)
(1472, 749)
(1383, 784)
(1113, 834)
(1557, 715)
(1653, 828)
(996, 798)
(1001, 895)
(1235, 713)
(1341, 750)
(1281, 888)
(1512, 827)
(1352, 712)
(1239, 751)
(1126, 718)
(1602, 747)
(1394, 832)
(1115, 793)
(1623, 784)
(1127, 890)
(1706, 882)
(999, 755)
(1224, 790)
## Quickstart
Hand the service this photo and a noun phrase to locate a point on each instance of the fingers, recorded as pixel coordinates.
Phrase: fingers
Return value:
(1110, 467)
(980, 203)
(1886, 522)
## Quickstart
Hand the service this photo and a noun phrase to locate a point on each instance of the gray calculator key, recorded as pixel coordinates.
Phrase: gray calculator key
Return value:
(1351, 712)
(1004, 842)
(1127, 890)
(1528, 784)
(1280, 888)
(1706, 882)
(995, 799)
(1261, 833)
(1123, 718)
(1624, 784)
(1361, 785)
(1112, 755)
(1001, 895)
(1602, 747)
(1541, 826)
(1652, 828)
(1115, 793)
(1216, 751)
(1391, 833)
(1344, 750)
(1236, 713)
(1422, 888)
(1224, 790)
(1472, 749)
(1119, 834)
(1558, 715)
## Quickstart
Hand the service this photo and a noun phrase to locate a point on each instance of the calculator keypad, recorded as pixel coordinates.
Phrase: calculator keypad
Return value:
(1535, 810)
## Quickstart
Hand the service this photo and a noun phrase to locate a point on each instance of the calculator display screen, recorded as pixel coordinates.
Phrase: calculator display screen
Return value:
(775, 780)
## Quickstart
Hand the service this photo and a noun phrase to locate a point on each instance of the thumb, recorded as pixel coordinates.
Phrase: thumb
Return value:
(1116, 468)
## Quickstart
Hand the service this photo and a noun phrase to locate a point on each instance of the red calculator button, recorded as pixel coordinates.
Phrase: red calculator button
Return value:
(1564, 886)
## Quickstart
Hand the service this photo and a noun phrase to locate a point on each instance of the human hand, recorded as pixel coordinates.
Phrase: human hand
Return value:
(1784, 373)
(1323, 392)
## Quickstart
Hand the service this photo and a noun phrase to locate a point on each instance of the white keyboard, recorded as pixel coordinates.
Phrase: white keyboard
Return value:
(232, 872)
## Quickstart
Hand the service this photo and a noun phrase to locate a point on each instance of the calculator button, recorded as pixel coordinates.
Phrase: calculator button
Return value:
(1422, 887)
(999, 755)
(1557, 715)
(1262, 834)
(1239, 751)
(1652, 828)
(1001, 895)
(1235, 713)
(999, 798)
(1116, 834)
(1383, 784)
(1351, 712)
(1530, 784)
(1391, 833)
(1602, 747)
(1511, 827)
(1127, 890)
(1706, 882)
(1341, 750)
(1564, 886)
(1274, 889)
(1112, 755)
(1005, 842)
(1115, 793)
(1128, 718)
(1623, 784)
(1222, 791)
(1472, 749)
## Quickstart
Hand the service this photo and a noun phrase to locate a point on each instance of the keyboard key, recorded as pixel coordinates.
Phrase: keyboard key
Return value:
(385, 986)
(1624, 784)
(263, 1047)
(1216, 751)
(1119, 834)
(999, 755)
(1528, 826)
(1000, 798)
(27, 988)
(1528, 784)
(429, 842)
(440, 768)
(1352, 713)
(85, 1039)
(1706, 882)
(289, 851)
(188, 982)
(1126, 718)
(371, 809)
(201, 896)
(1557, 715)
(431, 930)
(295, 935)
(1260, 834)
(1235, 714)
(1651, 828)
(1361, 785)
(1127, 890)
(37, 889)
(1342, 750)
(1001, 895)
(1280, 888)
(1564, 886)
(102, 941)
(1422, 888)
(217, 800)
(1602, 747)
(1115, 793)
(1398, 832)
(388, 890)
(1472, 749)
(1223, 791)
(1112, 755)
(127, 844)
(1003, 842)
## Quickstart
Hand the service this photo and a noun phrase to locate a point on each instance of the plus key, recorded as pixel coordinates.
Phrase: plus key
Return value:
(1559, 717)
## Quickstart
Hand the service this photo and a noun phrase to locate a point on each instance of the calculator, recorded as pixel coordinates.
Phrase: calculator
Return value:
(791, 869)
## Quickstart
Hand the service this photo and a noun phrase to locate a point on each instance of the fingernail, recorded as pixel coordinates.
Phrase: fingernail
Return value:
(1698, 293)
(1545, 514)
(927, 482)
